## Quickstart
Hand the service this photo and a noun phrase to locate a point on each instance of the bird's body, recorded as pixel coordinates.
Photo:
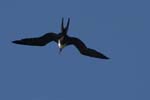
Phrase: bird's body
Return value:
(63, 40)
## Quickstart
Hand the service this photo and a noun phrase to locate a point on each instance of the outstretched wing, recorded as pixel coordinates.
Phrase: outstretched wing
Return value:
(38, 41)
(84, 50)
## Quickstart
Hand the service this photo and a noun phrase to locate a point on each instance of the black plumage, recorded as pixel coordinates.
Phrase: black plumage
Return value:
(63, 40)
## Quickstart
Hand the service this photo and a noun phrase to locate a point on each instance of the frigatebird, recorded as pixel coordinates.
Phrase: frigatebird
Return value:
(63, 40)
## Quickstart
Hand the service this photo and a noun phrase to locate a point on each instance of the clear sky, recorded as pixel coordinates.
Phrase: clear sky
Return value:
(117, 28)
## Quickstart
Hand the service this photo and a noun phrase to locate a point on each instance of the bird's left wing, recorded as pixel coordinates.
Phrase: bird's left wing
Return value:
(84, 50)
(38, 41)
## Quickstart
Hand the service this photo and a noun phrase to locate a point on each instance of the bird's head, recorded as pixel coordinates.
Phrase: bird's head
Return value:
(64, 30)
(61, 44)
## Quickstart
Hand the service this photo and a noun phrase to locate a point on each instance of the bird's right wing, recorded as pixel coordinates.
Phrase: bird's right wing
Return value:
(84, 50)
(38, 41)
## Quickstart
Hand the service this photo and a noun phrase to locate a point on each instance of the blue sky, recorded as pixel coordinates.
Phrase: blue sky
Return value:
(117, 28)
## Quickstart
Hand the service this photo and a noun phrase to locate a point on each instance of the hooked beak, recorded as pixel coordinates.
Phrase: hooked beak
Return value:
(60, 50)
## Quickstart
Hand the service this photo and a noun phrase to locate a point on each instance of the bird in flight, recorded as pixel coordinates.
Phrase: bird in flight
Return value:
(63, 40)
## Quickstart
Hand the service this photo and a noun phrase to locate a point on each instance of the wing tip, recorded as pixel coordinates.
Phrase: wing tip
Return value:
(16, 42)
(104, 57)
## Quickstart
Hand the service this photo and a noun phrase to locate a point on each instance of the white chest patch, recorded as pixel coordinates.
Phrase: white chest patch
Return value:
(59, 44)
